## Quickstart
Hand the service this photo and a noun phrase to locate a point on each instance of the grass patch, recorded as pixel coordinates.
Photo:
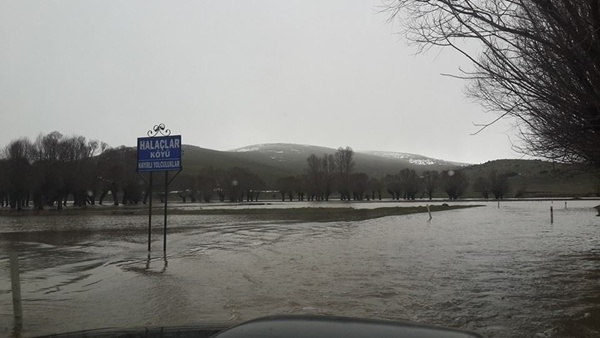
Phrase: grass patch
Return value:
(320, 214)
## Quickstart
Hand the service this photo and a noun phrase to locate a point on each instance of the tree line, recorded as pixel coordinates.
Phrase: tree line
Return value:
(54, 169)
(334, 174)
(208, 184)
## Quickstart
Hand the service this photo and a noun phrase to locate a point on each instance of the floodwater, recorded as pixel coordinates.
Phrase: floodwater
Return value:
(501, 271)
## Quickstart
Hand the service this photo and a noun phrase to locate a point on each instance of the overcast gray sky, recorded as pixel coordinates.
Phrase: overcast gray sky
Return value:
(226, 74)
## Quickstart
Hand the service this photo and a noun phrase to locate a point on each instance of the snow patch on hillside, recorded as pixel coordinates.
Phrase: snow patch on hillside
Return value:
(275, 151)
(247, 149)
(279, 148)
(413, 158)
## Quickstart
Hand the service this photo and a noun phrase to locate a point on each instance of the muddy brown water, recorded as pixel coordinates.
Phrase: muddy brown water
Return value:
(501, 272)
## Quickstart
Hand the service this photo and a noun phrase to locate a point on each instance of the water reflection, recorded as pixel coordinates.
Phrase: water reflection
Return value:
(504, 272)
(149, 260)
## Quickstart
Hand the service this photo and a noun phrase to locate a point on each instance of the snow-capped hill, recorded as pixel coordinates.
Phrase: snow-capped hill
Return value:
(414, 158)
(281, 147)
(284, 151)
(298, 153)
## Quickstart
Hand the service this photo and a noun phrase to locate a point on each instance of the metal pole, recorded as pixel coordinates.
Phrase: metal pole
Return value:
(166, 199)
(16, 290)
(150, 215)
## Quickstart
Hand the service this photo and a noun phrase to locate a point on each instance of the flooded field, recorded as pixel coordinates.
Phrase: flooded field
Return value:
(502, 271)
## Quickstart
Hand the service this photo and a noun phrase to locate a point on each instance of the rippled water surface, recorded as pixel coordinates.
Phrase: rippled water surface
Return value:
(501, 271)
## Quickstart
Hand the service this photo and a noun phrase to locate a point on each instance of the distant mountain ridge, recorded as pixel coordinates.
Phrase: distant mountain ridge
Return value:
(529, 178)
(279, 150)
(274, 160)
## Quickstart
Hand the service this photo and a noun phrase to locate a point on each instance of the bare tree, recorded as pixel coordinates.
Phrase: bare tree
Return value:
(344, 164)
(117, 173)
(315, 176)
(78, 168)
(454, 183)
(4, 182)
(286, 186)
(538, 62)
(359, 183)
(319, 176)
(47, 156)
(410, 182)
(19, 170)
(375, 188)
(329, 168)
(482, 186)
(393, 185)
(300, 186)
(241, 184)
(207, 184)
(430, 182)
(499, 185)
(186, 187)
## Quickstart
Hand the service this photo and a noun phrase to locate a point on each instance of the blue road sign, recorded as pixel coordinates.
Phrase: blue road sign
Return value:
(159, 153)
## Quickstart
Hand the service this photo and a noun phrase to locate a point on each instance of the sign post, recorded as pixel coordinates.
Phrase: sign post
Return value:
(160, 151)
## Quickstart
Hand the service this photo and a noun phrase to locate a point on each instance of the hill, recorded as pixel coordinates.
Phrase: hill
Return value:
(195, 159)
(537, 178)
(527, 178)
(272, 161)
